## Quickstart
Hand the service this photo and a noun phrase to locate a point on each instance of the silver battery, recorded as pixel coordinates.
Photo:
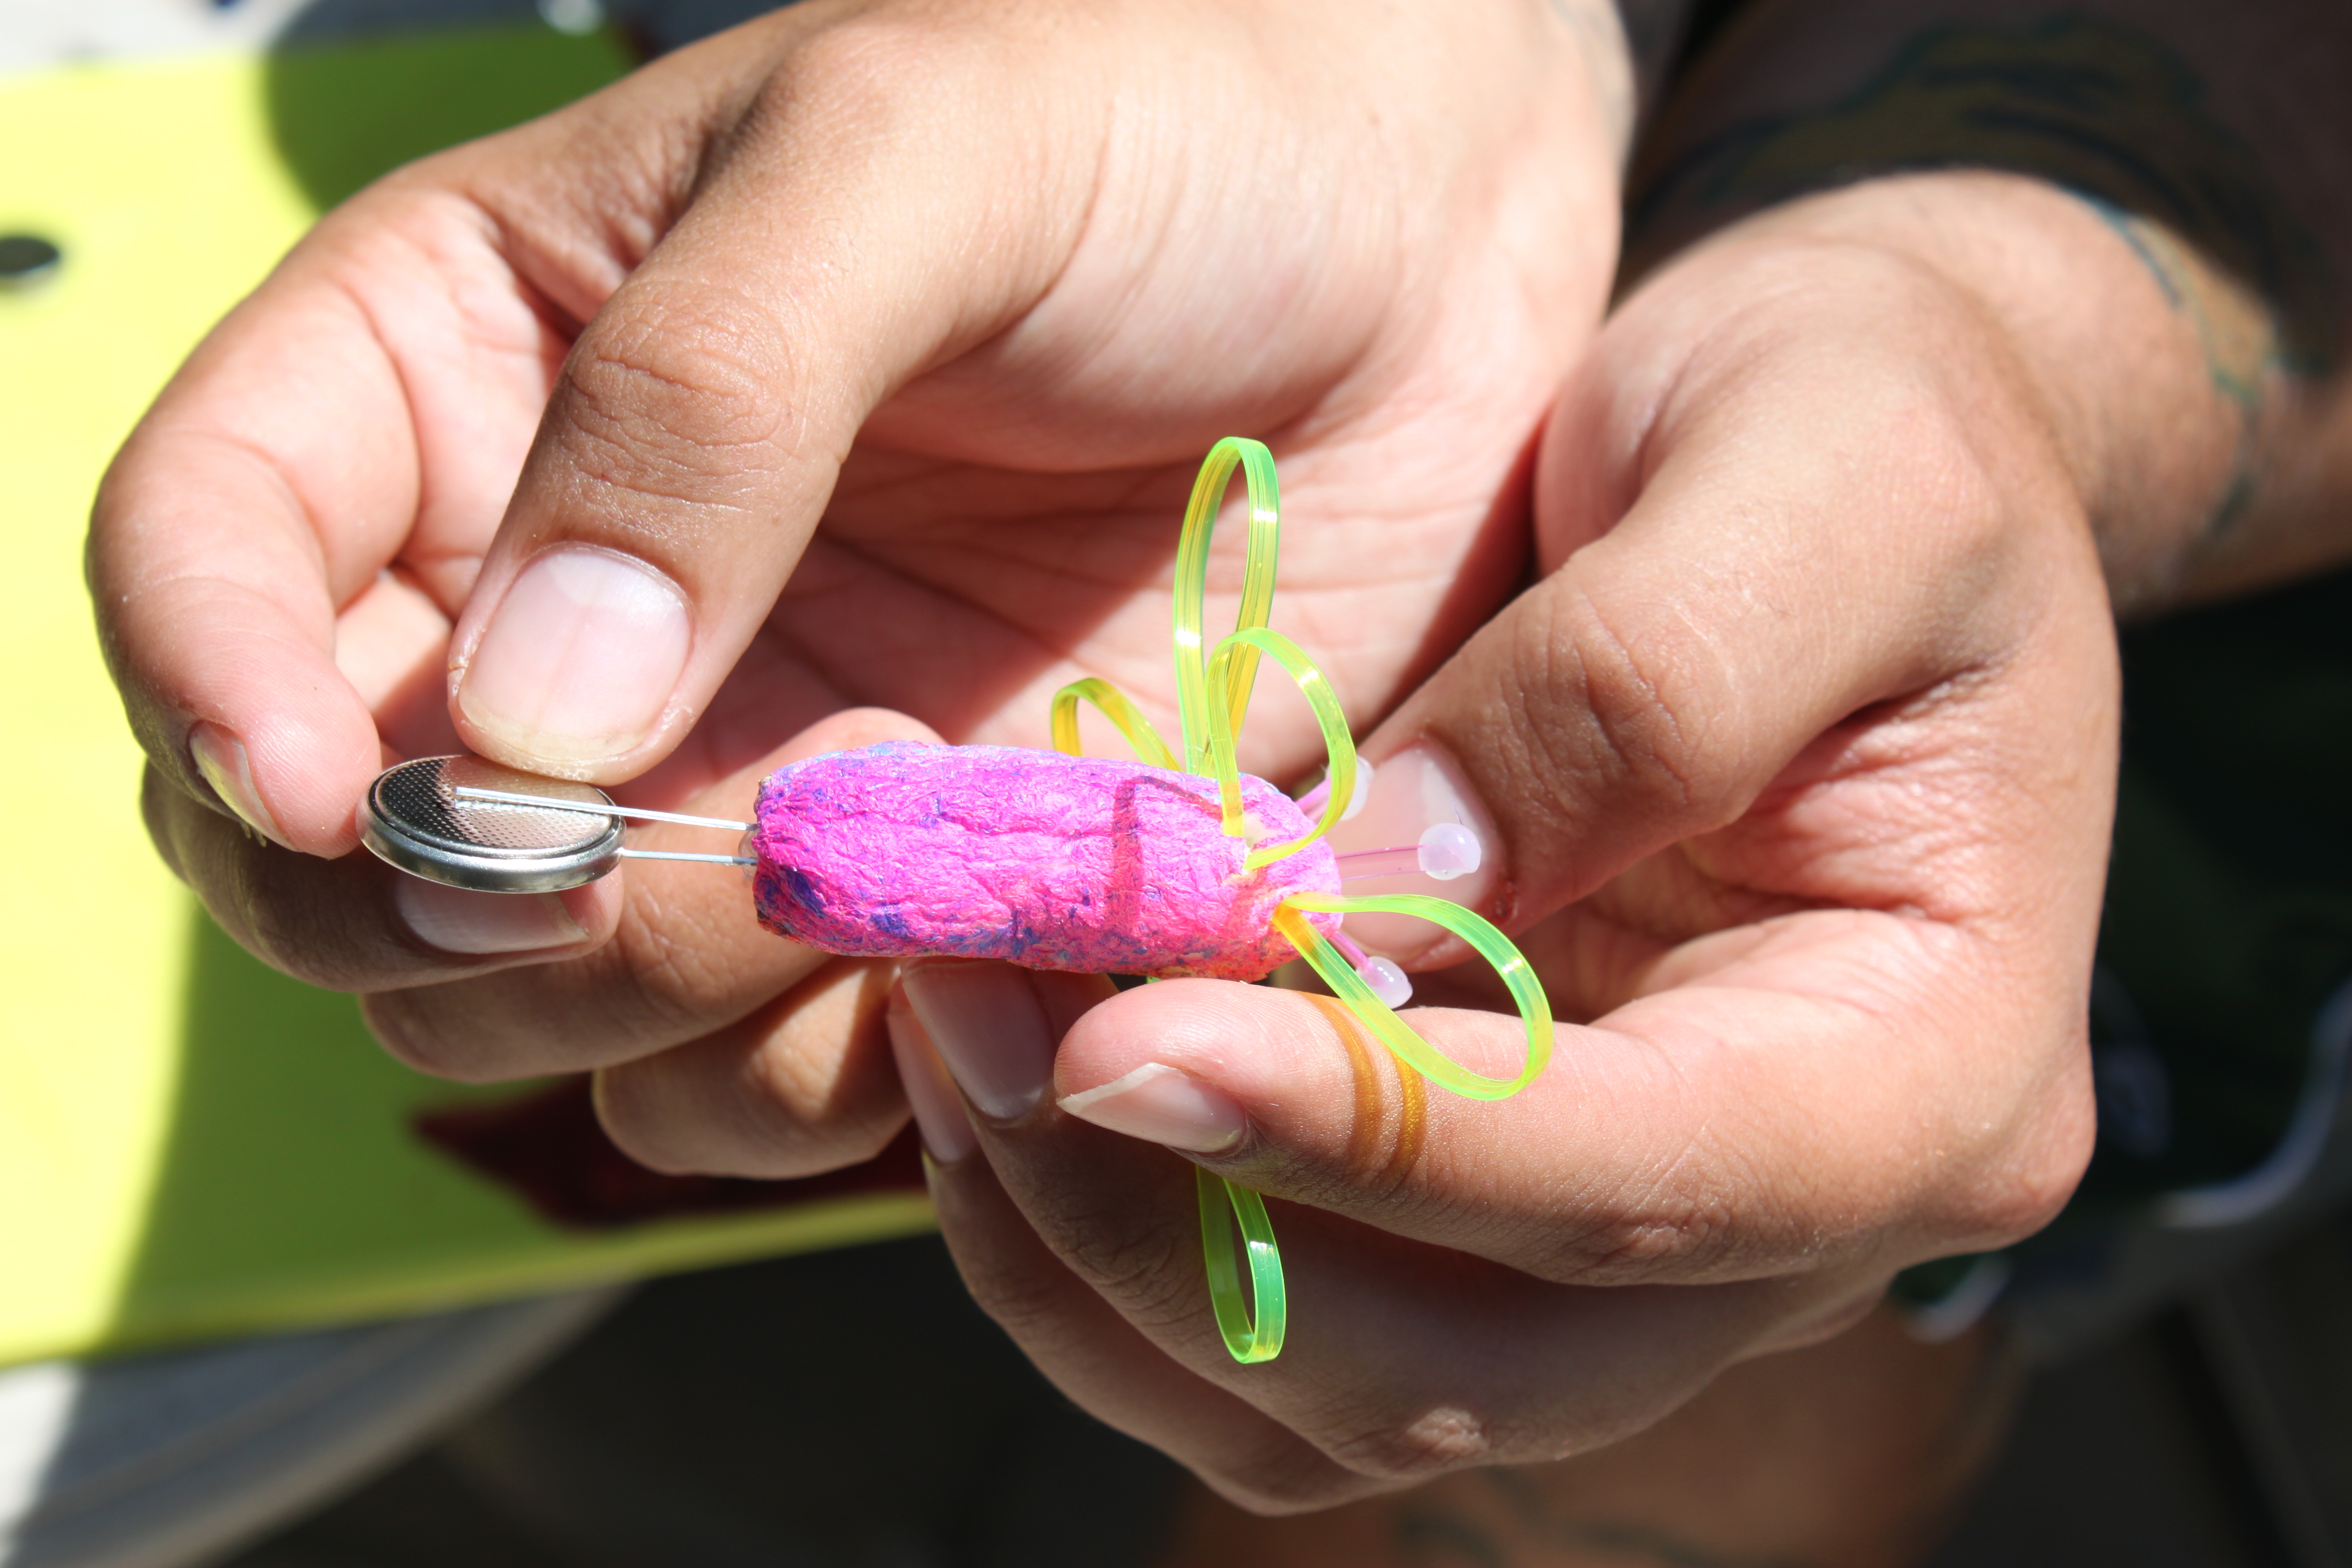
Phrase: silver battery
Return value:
(416, 819)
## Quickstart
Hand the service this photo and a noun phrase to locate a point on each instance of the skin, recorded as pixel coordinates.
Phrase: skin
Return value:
(901, 429)
(1799, 750)
(1814, 889)
(1816, 916)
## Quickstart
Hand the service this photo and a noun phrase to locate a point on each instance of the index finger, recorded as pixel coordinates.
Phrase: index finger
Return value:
(370, 402)
(274, 476)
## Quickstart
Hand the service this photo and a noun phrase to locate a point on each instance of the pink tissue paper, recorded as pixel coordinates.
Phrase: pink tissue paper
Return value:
(1047, 860)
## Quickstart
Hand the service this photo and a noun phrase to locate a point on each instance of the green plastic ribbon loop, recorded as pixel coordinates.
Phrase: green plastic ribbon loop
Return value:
(1193, 693)
(1527, 991)
(1338, 745)
(1212, 693)
(1113, 705)
(1223, 1206)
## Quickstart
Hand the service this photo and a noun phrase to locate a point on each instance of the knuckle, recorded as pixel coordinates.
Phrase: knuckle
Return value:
(295, 936)
(681, 391)
(1138, 1267)
(2031, 1178)
(870, 75)
(667, 975)
(1145, 1268)
(1675, 1233)
(460, 1030)
(1024, 1301)
(1433, 1442)
(1651, 699)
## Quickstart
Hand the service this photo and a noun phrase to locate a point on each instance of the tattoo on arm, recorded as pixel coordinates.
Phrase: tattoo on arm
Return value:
(2098, 110)
(2244, 358)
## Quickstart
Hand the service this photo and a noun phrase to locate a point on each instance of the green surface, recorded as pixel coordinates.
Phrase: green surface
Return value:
(340, 115)
(194, 1144)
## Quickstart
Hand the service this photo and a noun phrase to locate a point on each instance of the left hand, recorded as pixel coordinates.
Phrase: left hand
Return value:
(1798, 767)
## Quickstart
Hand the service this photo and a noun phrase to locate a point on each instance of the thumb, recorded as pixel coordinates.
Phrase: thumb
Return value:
(1788, 542)
(698, 425)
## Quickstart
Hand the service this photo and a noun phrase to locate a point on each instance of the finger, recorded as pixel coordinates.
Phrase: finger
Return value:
(1110, 1368)
(244, 511)
(1763, 1108)
(354, 923)
(372, 402)
(697, 431)
(1404, 1361)
(1757, 530)
(687, 957)
(802, 1086)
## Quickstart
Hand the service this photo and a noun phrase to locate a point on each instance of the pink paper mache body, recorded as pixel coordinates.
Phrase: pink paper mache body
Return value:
(1047, 860)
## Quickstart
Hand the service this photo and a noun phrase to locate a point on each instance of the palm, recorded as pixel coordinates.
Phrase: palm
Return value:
(964, 594)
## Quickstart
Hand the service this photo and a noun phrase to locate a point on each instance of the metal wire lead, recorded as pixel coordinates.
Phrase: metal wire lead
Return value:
(548, 802)
(679, 855)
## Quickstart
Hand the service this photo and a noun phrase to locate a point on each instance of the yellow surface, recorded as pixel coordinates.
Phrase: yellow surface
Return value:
(189, 1143)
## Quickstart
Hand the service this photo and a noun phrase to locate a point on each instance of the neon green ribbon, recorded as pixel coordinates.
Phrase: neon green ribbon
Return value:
(1212, 693)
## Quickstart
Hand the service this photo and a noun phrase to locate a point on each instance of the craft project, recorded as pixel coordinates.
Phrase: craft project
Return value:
(1050, 859)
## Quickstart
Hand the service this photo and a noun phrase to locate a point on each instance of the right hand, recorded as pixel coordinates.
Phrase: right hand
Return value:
(860, 355)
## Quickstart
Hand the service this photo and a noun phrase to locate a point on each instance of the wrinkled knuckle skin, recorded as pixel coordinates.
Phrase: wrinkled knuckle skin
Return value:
(657, 983)
(1648, 704)
(1025, 1303)
(1683, 1225)
(870, 77)
(314, 920)
(1144, 1274)
(295, 937)
(2028, 1183)
(680, 392)
(1397, 1455)
(1639, 1247)
(1146, 1271)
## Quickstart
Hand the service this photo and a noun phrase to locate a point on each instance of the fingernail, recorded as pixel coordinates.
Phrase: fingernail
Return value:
(220, 757)
(579, 659)
(1422, 829)
(1162, 1104)
(939, 1116)
(455, 921)
(990, 1028)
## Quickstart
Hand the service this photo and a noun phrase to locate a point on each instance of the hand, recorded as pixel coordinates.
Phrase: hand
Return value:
(861, 355)
(1798, 764)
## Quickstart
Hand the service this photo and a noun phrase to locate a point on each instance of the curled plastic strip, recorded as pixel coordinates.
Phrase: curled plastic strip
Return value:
(1535, 1010)
(1115, 707)
(1223, 1206)
(1193, 695)
(1338, 744)
(1212, 693)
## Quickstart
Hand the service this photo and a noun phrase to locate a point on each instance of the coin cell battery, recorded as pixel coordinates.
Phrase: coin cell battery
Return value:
(472, 823)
